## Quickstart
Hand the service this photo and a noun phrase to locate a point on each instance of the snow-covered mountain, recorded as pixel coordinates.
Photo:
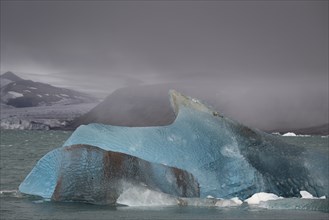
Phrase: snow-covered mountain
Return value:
(19, 93)
(26, 104)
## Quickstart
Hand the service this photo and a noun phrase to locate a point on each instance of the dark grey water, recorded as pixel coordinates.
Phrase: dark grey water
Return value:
(20, 150)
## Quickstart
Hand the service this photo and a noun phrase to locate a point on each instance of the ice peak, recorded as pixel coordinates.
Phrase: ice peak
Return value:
(178, 100)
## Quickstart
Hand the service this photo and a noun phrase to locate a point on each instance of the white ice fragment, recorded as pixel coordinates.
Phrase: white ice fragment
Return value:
(289, 134)
(261, 197)
(237, 200)
(306, 195)
(210, 197)
(39, 95)
(229, 202)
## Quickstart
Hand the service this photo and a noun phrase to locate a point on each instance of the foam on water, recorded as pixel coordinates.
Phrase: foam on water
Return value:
(139, 195)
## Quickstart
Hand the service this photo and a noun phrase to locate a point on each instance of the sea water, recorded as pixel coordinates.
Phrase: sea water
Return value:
(20, 150)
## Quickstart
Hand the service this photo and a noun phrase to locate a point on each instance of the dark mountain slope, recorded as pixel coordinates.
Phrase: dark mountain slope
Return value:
(19, 93)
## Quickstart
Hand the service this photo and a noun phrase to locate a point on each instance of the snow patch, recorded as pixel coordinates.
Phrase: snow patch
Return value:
(15, 94)
(4, 82)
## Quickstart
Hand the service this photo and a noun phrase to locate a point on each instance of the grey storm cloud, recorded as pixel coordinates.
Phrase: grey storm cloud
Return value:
(99, 46)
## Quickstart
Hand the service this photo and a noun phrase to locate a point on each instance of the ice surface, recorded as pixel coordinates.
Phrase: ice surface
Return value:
(89, 174)
(227, 159)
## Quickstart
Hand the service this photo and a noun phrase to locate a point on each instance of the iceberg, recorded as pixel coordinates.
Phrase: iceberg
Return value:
(220, 157)
(84, 173)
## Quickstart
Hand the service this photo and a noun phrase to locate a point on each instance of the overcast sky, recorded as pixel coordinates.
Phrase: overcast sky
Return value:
(99, 46)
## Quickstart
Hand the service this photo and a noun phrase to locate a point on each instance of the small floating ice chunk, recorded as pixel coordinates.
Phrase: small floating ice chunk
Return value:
(261, 197)
(289, 134)
(306, 195)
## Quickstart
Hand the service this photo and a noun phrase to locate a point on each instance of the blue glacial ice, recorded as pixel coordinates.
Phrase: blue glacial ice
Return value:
(84, 173)
(226, 158)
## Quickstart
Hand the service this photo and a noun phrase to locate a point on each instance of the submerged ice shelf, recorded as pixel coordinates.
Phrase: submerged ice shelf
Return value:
(224, 157)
